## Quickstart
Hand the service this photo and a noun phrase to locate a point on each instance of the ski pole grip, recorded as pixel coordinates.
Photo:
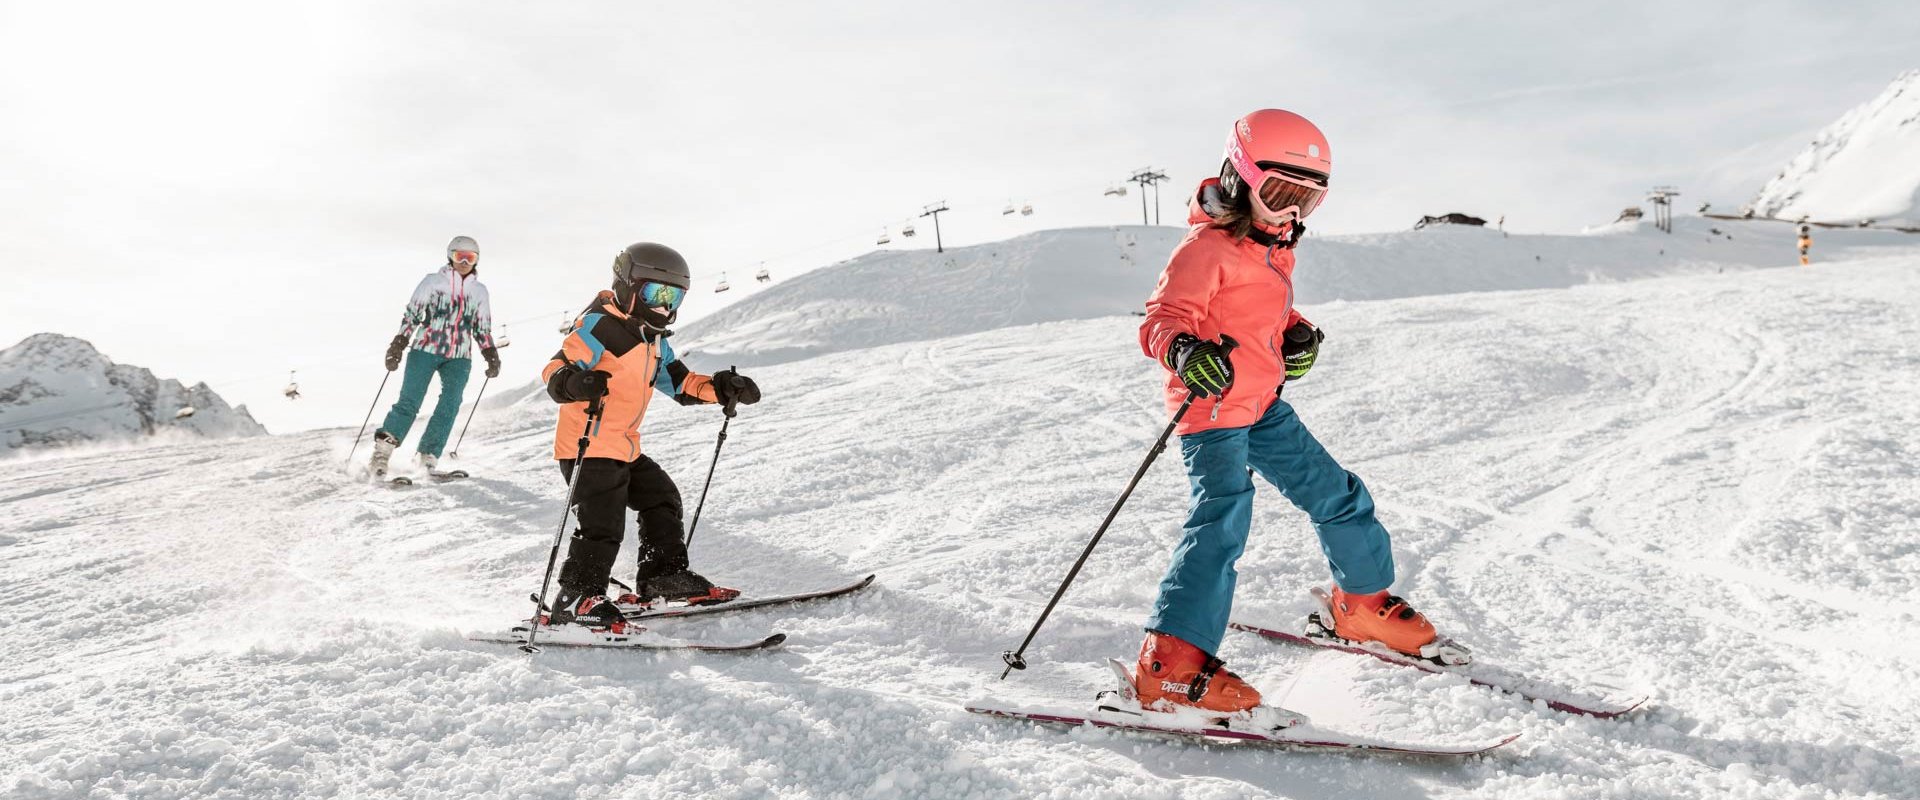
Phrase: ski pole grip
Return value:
(734, 384)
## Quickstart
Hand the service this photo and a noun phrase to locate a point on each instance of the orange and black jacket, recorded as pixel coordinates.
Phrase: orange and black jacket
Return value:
(638, 362)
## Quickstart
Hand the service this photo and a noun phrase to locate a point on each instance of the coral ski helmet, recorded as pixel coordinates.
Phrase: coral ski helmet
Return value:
(1282, 159)
(650, 280)
(463, 245)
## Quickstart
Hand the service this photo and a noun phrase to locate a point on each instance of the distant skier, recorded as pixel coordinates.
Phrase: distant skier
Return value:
(618, 353)
(1232, 277)
(447, 317)
(1806, 243)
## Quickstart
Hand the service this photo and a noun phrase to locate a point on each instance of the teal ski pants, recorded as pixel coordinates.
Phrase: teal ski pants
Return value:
(420, 369)
(1196, 596)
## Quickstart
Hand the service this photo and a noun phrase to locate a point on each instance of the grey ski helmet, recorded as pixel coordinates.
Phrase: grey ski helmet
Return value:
(461, 243)
(646, 261)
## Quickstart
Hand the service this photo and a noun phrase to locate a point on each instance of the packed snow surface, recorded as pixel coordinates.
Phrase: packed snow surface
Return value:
(58, 390)
(1865, 166)
(1704, 484)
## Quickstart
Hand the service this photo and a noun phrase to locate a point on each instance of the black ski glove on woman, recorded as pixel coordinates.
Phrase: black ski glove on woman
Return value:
(395, 350)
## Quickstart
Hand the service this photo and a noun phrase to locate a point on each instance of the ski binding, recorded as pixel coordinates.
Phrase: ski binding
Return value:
(1263, 725)
(1446, 657)
(662, 610)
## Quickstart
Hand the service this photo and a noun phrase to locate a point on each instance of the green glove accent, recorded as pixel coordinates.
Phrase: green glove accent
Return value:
(1201, 366)
(1301, 349)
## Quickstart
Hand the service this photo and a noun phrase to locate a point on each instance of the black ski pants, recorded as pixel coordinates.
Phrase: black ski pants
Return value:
(608, 487)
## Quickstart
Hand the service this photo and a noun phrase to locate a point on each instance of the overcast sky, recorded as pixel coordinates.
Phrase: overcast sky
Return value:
(226, 191)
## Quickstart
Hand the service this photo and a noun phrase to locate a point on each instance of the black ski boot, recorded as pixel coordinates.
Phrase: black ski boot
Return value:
(685, 587)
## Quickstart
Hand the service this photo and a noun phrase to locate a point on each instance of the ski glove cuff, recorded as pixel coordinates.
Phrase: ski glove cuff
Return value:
(493, 361)
(1301, 349)
(732, 388)
(1200, 365)
(396, 349)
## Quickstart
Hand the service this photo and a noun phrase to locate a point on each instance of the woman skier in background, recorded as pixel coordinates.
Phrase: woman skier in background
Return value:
(1231, 278)
(617, 356)
(447, 317)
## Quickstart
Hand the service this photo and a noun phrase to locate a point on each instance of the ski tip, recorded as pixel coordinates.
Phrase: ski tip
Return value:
(774, 640)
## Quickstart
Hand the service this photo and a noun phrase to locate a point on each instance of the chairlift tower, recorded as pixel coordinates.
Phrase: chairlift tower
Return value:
(1148, 177)
(933, 210)
(1662, 199)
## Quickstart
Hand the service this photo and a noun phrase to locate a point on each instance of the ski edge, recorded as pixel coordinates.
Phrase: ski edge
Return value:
(1322, 740)
(633, 612)
(1596, 710)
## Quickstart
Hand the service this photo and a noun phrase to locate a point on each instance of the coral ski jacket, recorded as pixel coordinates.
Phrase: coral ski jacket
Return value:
(1215, 284)
(448, 315)
(640, 360)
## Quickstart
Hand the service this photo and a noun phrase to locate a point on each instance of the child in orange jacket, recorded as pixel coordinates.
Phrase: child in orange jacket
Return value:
(617, 356)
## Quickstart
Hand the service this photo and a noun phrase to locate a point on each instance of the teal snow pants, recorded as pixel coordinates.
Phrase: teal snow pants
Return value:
(421, 367)
(1196, 596)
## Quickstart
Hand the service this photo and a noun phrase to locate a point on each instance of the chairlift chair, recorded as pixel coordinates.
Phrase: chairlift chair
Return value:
(762, 276)
(293, 387)
(1026, 210)
(722, 285)
(884, 238)
(1008, 210)
(184, 412)
(1116, 191)
(907, 230)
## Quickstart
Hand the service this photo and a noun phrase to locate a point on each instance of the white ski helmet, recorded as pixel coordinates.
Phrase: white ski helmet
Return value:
(462, 243)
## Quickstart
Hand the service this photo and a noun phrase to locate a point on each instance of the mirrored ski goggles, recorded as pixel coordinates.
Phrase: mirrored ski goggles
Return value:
(467, 257)
(661, 295)
(1283, 195)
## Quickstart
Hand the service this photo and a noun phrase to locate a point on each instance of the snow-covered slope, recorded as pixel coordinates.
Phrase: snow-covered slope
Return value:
(889, 297)
(1864, 166)
(1705, 483)
(58, 390)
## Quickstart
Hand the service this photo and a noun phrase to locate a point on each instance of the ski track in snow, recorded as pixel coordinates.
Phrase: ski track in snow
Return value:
(1705, 484)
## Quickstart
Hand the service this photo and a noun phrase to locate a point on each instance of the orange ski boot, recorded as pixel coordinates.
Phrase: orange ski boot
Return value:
(1383, 618)
(1174, 672)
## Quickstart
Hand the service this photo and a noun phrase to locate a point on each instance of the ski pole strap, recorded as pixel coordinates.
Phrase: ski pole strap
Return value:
(1198, 688)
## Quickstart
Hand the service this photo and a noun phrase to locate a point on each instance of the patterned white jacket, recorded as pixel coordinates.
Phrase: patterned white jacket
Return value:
(449, 315)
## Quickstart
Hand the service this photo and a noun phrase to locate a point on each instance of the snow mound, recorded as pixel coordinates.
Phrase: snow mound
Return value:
(58, 390)
(1706, 483)
(1082, 273)
(1865, 166)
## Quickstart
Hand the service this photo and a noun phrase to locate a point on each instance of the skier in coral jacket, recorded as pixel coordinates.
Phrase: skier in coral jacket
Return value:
(618, 355)
(1231, 278)
(447, 318)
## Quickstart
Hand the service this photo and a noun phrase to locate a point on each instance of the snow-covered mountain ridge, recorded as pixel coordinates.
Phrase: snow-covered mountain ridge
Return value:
(1706, 483)
(58, 390)
(1084, 273)
(1865, 166)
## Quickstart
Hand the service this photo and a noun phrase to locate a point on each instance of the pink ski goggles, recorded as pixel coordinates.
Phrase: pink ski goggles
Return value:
(1280, 194)
(467, 257)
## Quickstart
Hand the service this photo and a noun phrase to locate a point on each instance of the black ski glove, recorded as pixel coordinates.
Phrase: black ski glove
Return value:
(395, 350)
(1301, 348)
(493, 361)
(733, 388)
(1201, 365)
(570, 384)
